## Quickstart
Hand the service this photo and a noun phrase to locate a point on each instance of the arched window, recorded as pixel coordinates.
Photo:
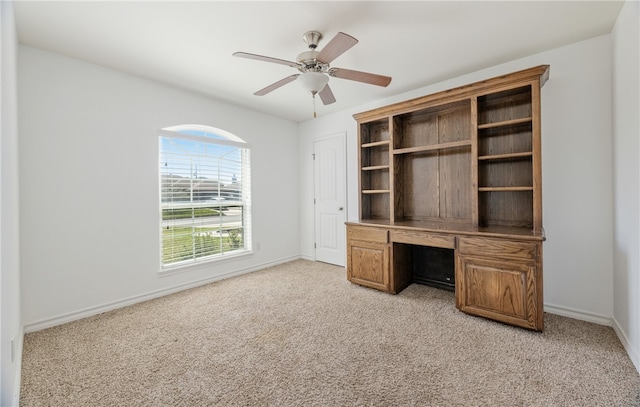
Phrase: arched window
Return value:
(205, 201)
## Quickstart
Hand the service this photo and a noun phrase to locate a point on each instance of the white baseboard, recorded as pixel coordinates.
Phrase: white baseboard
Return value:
(90, 311)
(631, 351)
(578, 314)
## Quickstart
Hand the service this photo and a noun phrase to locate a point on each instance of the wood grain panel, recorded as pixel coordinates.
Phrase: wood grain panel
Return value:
(374, 131)
(497, 248)
(375, 156)
(368, 264)
(495, 289)
(374, 206)
(398, 188)
(537, 158)
(455, 184)
(455, 165)
(505, 140)
(503, 106)
(420, 182)
(418, 130)
(506, 208)
(455, 125)
(514, 172)
(401, 261)
(501, 290)
(422, 238)
(368, 234)
(375, 179)
(422, 127)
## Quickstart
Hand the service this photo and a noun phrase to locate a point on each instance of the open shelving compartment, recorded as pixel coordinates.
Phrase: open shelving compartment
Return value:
(432, 164)
(375, 186)
(505, 158)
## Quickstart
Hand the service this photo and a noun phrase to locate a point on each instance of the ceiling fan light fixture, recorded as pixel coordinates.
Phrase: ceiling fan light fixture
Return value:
(314, 82)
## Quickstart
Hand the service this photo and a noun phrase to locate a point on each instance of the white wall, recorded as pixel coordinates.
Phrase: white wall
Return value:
(626, 181)
(10, 319)
(577, 172)
(89, 186)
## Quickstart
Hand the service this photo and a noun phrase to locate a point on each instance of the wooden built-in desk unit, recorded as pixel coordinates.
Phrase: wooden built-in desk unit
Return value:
(451, 183)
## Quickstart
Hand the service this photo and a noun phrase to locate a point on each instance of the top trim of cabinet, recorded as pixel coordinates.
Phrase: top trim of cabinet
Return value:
(539, 73)
(451, 228)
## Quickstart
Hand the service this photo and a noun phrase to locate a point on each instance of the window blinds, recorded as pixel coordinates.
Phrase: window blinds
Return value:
(204, 198)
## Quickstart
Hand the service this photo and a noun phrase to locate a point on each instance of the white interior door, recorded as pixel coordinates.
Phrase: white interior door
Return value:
(330, 180)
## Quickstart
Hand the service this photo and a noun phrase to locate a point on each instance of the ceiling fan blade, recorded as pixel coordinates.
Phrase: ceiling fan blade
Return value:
(266, 59)
(276, 85)
(370, 78)
(336, 47)
(326, 95)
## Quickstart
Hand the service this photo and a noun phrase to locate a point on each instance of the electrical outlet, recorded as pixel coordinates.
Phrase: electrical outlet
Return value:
(258, 246)
(13, 349)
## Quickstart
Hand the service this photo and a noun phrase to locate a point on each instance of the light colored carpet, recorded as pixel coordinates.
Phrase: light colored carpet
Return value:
(299, 334)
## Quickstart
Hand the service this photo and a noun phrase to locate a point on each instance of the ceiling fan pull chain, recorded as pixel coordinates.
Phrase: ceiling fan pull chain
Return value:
(314, 104)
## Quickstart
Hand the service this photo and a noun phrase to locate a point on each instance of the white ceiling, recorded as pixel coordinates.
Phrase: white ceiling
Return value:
(190, 44)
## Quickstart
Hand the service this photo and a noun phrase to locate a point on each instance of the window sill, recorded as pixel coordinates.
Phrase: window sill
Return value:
(191, 266)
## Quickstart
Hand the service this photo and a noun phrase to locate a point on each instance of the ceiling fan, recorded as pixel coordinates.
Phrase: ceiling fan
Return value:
(315, 69)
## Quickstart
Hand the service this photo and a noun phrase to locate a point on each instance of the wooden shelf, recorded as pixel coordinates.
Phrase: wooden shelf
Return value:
(441, 146)
(375, 167)
(496, 157)
(375, 191)
(504, 123)
(504, 189)
(376, 144)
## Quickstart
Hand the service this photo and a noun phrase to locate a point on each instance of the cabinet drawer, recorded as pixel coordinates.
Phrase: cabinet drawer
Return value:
(368, 234)
(423, 238)
(497, 248)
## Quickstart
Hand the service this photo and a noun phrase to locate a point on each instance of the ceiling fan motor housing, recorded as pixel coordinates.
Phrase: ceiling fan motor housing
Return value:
(309, 63)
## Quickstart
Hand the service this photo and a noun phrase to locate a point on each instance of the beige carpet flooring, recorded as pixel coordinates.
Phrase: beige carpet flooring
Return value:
(299, 334)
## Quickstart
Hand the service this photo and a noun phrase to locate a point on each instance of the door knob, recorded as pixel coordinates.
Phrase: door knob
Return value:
(340, 208)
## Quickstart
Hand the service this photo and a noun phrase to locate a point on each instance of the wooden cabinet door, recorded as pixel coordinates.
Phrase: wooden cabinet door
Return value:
(502, 290)
(368, 264)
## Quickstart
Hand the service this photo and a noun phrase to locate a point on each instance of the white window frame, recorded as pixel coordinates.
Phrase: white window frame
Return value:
(213, 136)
